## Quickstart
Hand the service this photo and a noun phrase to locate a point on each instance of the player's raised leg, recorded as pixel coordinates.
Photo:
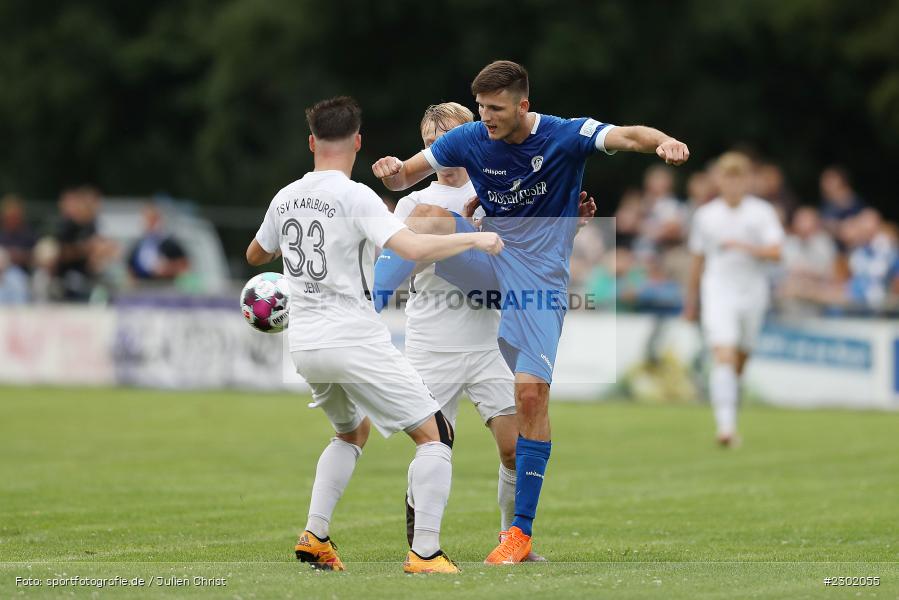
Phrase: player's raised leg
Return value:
(532, 453)
(505, 432)
(430, 475)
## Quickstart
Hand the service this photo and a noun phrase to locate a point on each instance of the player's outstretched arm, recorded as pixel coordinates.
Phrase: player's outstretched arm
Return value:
(398, 175)
(426, 248)
(256, 255)
(637, 138)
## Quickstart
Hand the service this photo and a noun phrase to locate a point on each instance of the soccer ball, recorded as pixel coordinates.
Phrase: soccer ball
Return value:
(265, 302)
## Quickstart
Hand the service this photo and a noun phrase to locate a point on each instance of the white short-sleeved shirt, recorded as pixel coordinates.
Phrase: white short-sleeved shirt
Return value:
(734, 273)
(327, 227)
(431, 323)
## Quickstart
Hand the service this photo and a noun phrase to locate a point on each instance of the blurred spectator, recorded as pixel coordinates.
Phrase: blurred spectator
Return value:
(82, 252)
(808, 252)
(838, 200)
(15, 236)
(701, 190)
(13, 281)
(873, 267)
(587, 251)
(659, 291)
(663, 224)
(617, 280)
(808, 261)
(769, 184)
(628, 219)
(45, 287)
(156, 255)
(873, 262)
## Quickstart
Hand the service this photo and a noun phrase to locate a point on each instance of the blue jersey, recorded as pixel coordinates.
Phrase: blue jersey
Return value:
(540, 177)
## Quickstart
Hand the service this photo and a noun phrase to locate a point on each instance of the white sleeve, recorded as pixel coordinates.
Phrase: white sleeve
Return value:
(405, 206)
(600, 142)
(375, 222)
(429, 156)
(268, 236)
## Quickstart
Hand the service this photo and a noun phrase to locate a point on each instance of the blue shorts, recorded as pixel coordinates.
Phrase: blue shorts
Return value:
(533, 305)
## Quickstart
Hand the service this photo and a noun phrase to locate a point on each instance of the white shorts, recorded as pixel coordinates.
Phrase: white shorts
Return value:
(482, 374)
(732, 322)
(374, 380)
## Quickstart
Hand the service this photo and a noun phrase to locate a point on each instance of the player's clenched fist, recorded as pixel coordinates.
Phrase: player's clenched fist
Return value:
(673, 152)
(488, 242)
(387, 166)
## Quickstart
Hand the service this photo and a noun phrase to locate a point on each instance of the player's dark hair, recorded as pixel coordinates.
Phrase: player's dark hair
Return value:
(501, 75)
(335, 118)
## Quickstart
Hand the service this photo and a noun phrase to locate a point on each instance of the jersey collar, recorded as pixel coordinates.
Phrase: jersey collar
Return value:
(536, 123)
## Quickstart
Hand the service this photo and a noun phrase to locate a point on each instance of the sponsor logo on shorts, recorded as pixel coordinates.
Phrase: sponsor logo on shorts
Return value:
(546, 360)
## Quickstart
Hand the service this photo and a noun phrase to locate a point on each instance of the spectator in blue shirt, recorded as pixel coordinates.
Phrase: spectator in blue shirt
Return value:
(838, 200)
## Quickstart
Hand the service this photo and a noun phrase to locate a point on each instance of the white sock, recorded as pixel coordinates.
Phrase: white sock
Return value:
(506, 496)
(430, 475)
(335, 467)
(723, 382)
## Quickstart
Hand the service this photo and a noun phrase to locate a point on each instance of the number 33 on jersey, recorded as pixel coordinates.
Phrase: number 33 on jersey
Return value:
(327, 227)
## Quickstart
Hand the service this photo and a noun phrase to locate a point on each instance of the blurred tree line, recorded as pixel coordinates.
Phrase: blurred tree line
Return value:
(205, 99)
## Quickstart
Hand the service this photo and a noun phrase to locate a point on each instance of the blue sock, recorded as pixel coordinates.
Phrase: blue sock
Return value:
(390, 271)
(531, 457)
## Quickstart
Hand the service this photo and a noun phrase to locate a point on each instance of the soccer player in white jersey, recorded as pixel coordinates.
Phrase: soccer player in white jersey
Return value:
(731, 239)
(450, 341)
(325, 227)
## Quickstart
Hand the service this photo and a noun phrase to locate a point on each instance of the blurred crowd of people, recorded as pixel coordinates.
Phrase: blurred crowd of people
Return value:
(840, 256)
(69, 260)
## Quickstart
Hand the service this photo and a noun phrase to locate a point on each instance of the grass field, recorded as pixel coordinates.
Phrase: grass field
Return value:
(638, 502)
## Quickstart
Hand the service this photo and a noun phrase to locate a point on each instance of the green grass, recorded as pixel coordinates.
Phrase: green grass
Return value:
(638, 502)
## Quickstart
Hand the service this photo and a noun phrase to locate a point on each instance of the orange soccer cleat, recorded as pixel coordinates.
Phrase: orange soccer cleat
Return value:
(514, 547)
(440, 563)
(531, 557)
(320, 554)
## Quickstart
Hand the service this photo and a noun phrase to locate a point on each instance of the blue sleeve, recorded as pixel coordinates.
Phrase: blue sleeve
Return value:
(580, 135)
(451, 149)
(390, 271)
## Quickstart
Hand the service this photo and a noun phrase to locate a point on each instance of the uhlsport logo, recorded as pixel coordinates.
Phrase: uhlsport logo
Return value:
(536, 163)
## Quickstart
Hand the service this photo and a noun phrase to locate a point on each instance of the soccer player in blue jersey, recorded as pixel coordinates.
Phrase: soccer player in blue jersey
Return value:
(522, 164)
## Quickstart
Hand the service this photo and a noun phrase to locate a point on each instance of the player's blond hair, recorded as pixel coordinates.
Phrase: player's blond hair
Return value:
(734, 163)
(445, 116)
